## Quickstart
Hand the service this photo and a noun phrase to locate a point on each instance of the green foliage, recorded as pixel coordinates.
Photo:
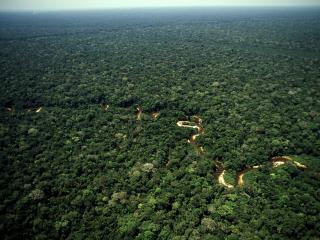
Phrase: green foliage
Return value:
(79, 170)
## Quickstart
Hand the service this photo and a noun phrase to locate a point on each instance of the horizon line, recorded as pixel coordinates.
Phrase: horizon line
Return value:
(153, 7)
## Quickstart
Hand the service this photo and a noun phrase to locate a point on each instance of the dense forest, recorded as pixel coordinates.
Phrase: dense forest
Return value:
(160, 124)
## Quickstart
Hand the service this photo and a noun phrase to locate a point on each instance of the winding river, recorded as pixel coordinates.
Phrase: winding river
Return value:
(275, 161)
(139, 112)
(155, 115)
(39, 110)
(196, 124)
(104, 107)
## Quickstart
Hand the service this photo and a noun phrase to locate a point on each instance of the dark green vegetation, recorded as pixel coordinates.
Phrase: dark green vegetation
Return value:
(74, 171)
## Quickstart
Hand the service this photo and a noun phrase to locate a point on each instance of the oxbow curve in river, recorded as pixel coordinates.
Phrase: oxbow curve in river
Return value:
(275, 161)
(197, 125)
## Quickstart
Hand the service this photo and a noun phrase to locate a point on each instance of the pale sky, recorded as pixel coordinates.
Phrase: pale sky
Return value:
(103, 4)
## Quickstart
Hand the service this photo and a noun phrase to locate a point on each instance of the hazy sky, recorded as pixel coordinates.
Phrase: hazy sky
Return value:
(84, 4)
